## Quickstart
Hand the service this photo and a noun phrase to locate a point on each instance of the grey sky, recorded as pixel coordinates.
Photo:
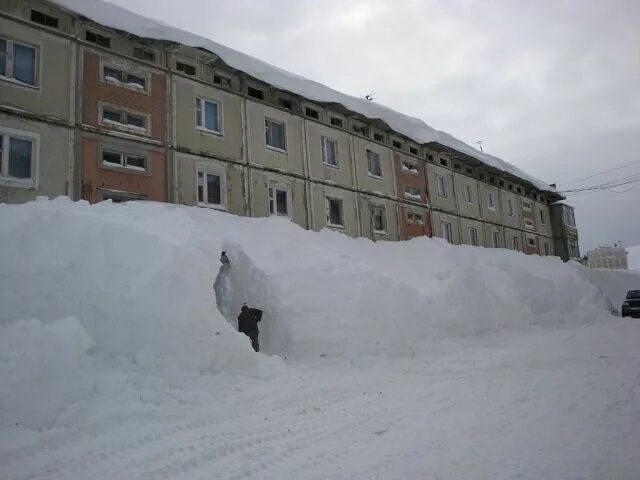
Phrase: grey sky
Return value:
(551, 86)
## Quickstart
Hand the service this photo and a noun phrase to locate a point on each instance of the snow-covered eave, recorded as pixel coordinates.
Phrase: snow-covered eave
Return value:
(120, 19)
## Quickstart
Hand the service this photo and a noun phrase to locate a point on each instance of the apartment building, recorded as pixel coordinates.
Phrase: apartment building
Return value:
(95, 112)
(565, 233)
(608, 257)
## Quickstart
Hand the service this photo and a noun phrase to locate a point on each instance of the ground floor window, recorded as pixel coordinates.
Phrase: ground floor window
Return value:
(516, 243)
(279, 200)
(546, 248)
(18, 155)
(532, 242)
(447, 232)
(473, 236)
(335, 213)
(211, 188)
(378, 218)
(415, 218)
(494, 239)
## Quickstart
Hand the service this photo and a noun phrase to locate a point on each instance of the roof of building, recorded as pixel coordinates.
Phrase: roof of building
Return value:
(119, 18)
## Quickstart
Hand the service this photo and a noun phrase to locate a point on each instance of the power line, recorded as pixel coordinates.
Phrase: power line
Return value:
(601, 173)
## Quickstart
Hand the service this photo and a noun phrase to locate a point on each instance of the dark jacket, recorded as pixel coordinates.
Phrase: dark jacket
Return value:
(248, 320)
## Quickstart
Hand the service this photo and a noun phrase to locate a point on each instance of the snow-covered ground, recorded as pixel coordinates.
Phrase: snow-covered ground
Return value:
(381, 360)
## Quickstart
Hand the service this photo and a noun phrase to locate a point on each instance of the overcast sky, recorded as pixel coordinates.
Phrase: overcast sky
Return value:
(551, 86)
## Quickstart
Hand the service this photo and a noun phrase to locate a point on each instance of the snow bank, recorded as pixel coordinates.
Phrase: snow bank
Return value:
(613, 284)
(91, 290)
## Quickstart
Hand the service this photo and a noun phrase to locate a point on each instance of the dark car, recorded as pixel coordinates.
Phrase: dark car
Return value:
(631, 306)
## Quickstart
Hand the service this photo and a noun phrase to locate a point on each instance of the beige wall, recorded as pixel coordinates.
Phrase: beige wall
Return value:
(259, 154)
(391, 211)
(494, 216)
(464, 208)
(448, 203)
(343, 174)
(319, 214)
(228, 145)
(465, 224)
(509, 233)
(549, 242)
(436, 224)
(186, 181)
(52, 95)
(515, 220)
(543, 229)
(259, 195)
(385, 186)
(54, 151)
(488, 241)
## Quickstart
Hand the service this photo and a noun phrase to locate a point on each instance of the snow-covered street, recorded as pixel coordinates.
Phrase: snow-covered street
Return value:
(130, 373)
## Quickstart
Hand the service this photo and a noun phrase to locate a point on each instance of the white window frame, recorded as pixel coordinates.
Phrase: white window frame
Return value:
(468, 196)
(34, 138)
(491, 204)
(123, 83)
(442, 186)
(325, 141)
(327, 202)
(473, 236)
(272, 199)
(202, 117)
(267, 122)
(528, 224)
(383, 209)
(212, 170)
(447, 231)
(412, 168)
(371, 174)
(510, 210)
(411, 196)
(8, 74)
(495, 240)
(125, 127)
(415, 218)
(124, 160)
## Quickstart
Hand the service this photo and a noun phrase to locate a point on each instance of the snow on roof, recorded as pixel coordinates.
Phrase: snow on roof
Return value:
(119, 18)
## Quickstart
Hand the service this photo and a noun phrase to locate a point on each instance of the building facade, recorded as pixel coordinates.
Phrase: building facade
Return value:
(608, 257)
(96, 113)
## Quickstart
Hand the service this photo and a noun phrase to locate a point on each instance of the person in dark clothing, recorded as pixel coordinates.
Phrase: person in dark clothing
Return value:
(248, 324)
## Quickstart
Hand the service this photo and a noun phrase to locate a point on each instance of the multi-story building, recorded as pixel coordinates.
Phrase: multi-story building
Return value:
(565, 233)
(608, 257)
(95, 107)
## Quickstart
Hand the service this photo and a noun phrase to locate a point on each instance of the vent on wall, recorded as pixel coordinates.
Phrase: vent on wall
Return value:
(413, 150)
(98, 39)
(336, 122)
(221, 80)
(285, 103)
(44, 19)
(397, 144)
(144, 54)
(255, 93)
(185, 68)
(378, 137)
(312, 113)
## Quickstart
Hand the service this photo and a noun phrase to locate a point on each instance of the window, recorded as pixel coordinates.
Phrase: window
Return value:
(312, 113)
(185, 68)
(415, 218)
(447, 233)
(285, 103)
(144, 54)
(361, 129)
(18, 61)
(98, 39)
(329, 152)
(412, 193)
(473, 236)
(397, 144)
(569, 218)
(131, 80)
(18, 153)
(501, 183)
(490, 203)
(221, 80)
(208, 116)
(467, 194)
(528, 224)
(44, 19)
(413, 150)
(456, 167)
(126, 160)
(531, 241)
(492, 180)
(526, 205)
(410, 166)
(279, 200)
(378, 219)
(373, 164)
(255, 93)
(516, 243)
(335, 216)
(378, 137)
(468, 171)
(443, 162)
(541, 217)
(442, 186)
(211, 190)
(275, 134)
(123, 120)
(510, 207)
(429, 156)
(494, 239)
(519, 190)
(337, 122)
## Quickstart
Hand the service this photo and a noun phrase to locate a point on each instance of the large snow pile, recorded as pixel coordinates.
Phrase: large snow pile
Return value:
(91, 290)
(613, 284)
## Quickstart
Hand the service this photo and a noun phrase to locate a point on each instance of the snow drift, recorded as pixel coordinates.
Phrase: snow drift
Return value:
(87, 291)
